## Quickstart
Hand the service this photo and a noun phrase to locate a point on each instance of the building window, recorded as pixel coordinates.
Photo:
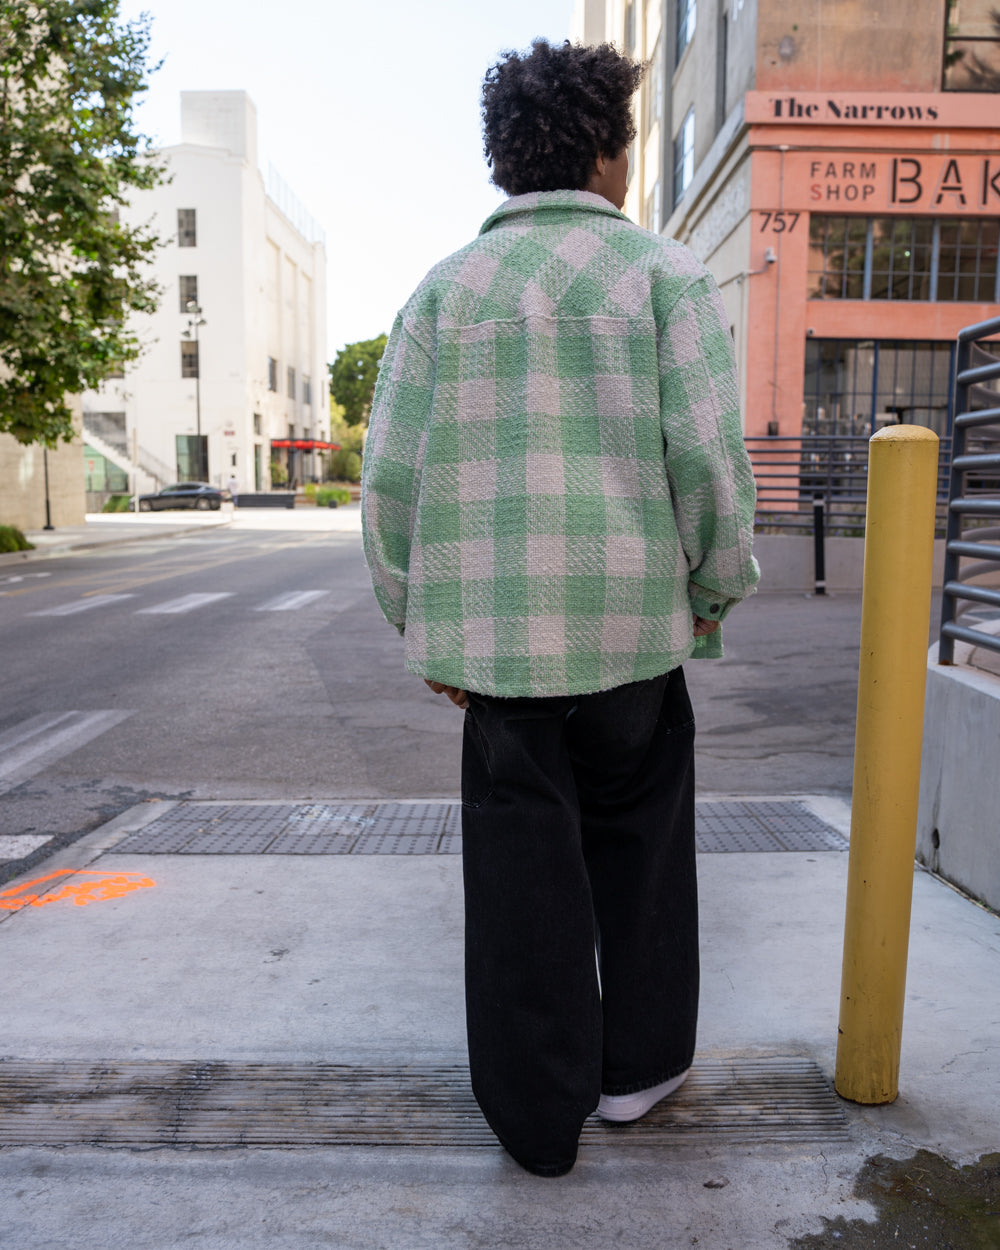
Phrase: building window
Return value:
(272, 374)
(654, 89)
(187, 229)
(192, 457)
(188, 284)
(307, 389)
(189, 360)
(904, 258)
(972, 46)
(291, 382)
(630, 27)
(257, 424)
(857, 386)
(653, 208)
(967, 260)
(684, 157)
(687, 14)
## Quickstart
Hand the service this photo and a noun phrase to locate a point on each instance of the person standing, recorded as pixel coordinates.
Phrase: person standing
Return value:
(558, 512)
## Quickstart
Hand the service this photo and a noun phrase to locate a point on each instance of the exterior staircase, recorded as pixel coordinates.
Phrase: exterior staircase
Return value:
(157, 472)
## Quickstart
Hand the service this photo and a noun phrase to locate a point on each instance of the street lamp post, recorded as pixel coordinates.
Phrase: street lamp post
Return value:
(195, 321)
(48, 509)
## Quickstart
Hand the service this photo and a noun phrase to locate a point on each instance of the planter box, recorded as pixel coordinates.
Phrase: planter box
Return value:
(266, 499)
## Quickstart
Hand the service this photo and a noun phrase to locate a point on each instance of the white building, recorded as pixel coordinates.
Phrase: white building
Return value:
(253, 370)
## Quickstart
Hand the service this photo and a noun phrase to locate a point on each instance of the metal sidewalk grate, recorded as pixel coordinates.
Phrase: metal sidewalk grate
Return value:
(214, 1105)
(193, 828)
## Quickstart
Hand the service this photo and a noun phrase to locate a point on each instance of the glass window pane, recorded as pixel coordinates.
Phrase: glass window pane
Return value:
(972, 64)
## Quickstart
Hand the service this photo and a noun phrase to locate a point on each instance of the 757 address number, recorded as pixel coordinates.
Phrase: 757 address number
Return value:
(779, 222)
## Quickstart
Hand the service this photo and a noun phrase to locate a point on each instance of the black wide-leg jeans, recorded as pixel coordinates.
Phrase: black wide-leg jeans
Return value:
(578, 836)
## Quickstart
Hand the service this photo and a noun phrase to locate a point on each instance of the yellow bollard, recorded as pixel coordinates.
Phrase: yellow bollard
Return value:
(895, 615)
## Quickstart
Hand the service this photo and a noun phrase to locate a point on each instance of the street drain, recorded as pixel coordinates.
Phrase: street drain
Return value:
(200, 828)
(214, 1105)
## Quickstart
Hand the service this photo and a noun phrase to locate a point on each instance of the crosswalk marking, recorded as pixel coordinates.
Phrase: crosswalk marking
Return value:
(186, 603)
(289, 602)
(81, 605)
(26, 748)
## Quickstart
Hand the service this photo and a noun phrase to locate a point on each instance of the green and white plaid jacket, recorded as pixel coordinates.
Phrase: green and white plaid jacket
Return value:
(555, 478)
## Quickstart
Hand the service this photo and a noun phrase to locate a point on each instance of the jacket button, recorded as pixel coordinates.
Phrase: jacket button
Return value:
(715, 607)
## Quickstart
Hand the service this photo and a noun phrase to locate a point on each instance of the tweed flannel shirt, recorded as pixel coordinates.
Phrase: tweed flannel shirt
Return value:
(554, 476)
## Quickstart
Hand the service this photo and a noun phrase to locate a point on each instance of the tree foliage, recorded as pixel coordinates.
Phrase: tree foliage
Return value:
(353, 375)
(71, 271)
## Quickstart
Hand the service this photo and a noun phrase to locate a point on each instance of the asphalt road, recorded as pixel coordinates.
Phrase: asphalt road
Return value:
(256, 665)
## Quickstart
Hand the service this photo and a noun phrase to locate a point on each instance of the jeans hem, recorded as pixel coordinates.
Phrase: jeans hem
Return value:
(614, 1090)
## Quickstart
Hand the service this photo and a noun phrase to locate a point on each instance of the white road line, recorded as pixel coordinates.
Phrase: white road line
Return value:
(28, 747)
(289, 602)
(16, 846)
(186, 603)
(81, 605)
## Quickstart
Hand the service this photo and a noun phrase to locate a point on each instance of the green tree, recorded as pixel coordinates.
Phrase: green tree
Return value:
(353, 375)
(71, 271)
(345, 465)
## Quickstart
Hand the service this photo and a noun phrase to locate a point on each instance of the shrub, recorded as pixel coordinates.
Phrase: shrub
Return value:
(338, 494)
(11, 539)
(346, 465)
(118, 503)
(279, 474)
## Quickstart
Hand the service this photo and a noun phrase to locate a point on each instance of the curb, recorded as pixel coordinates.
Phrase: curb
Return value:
(89, 544)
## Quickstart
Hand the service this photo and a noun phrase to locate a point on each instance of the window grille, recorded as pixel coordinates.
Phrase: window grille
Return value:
(904, 258)
(855, 386)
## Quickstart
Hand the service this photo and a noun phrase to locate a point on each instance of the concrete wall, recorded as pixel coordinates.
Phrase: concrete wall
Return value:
(787, 563)
(958, 829)
(850, 45)
(22, 482)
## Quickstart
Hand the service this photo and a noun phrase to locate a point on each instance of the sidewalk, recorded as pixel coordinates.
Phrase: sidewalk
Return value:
(235, 980)
(113, 529)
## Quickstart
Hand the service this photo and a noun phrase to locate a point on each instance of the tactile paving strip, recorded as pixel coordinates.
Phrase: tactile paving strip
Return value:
(213, 1105)
(434, 829)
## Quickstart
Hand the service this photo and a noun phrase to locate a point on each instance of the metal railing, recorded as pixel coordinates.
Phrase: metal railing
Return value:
(974, 492)
(818, 484)
(794, 473)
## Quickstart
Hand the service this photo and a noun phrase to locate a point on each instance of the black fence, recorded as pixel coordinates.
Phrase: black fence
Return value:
(973, 497)
(821, 479)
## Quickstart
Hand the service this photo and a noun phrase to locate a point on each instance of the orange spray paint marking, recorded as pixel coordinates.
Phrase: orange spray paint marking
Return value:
(81, 893)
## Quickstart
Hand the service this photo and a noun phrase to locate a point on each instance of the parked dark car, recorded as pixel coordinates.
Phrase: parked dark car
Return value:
(186, 495)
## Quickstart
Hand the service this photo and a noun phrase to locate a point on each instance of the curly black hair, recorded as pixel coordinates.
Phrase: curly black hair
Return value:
(547, 115)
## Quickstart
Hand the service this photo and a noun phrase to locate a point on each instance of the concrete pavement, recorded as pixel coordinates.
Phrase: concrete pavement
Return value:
(228, 964)
(303, 960)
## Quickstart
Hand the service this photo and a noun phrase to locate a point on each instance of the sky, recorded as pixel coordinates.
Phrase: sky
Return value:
(370, 113)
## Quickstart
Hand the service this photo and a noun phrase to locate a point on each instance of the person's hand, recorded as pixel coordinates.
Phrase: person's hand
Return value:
(458, 697)
(703, 627)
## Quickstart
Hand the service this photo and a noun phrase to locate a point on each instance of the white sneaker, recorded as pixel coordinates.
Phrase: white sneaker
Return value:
(624, 1107)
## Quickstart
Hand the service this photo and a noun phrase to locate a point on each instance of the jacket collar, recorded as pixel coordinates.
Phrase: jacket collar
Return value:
(522, 208)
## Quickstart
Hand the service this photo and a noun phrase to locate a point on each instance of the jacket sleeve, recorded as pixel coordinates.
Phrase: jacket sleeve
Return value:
(711, 481)
(393, 459)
